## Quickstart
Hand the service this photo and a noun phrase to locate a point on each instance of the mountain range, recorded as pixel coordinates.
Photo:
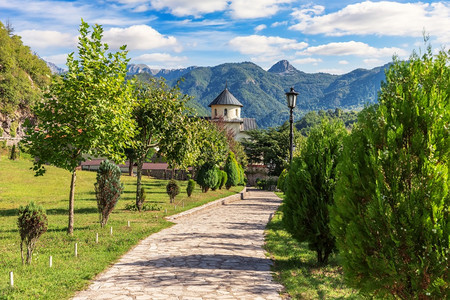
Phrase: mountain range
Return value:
(263, 92)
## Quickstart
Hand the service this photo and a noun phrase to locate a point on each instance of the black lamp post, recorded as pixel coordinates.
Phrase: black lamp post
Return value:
(291, 97)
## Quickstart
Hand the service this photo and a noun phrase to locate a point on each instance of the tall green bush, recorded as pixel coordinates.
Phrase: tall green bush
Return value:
(310, 189)
(32, 223)
(108, 189)
(190, 187)
(172, 190)
(281, 180)
(223, 179)
(391, 212)
(232, 170)
(207, 177)
(13, 155)
(219, 179)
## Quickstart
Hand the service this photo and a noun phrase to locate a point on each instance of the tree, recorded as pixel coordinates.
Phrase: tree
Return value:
(86, 112)
(310, 187)
(108, 189)
(32, 224)
(207, 176)
(232, 170)
(391, 211)
(172, 189)
(161, 119)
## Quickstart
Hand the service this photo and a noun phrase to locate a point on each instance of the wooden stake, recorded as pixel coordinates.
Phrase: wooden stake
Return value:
(50, 261)
(111, 230)
(96, 238)
(128, 223)
(76, 249)
(11, 279)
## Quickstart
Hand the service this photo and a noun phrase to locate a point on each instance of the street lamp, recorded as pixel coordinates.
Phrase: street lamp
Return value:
(291, 97)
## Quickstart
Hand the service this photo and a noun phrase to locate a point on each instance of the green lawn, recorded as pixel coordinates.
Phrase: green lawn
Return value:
(295, 267)
(18, 186)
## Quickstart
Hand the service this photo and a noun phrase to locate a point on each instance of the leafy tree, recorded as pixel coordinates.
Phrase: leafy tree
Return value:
(190, 187)
(172, 189)
(108, 189)
(313, 118)
(391, 211)
(32, 224)
(232, 170)
(310, 188)
(212, 143)
(161, 122)
(207, 176)
(87, 112)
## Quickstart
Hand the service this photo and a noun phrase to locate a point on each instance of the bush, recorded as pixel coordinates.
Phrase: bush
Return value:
(172, 189)
(219, 179)
(266, 184)
(232, 170)
(310, 188)
(190, 187)
(223, 179)
(282, 180)
(13, 129)
(13, 155)
(145, 207)
(207, 177)
(32, 224)
(391, 212)
(108, 189)
(242, 178)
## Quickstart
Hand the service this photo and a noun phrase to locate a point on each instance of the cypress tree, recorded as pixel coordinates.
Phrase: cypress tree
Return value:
(391, 212)
(232, 170)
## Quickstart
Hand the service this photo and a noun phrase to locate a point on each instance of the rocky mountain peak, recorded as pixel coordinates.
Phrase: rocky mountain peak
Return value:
(282, 67)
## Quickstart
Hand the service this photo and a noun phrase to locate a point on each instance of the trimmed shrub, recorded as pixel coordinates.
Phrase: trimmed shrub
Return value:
(223, 179)
(310, 188)
(219, 179)
(145, 207)
(207, 177)
(391, 213)
(108, 189)
(232, 170)
(190, 187)
(241, 175)
(13, 155)
(32, 223)
(172, 189)
(282, 180)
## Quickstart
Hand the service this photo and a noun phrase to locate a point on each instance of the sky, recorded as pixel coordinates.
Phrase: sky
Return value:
(314, 36)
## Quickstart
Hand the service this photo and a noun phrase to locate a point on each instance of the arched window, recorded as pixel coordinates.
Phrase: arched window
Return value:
(225, 112)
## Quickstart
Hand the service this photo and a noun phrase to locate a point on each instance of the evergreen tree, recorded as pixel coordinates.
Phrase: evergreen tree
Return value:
(310, 188)
(391, 212)
(207, 177)
(232, 170)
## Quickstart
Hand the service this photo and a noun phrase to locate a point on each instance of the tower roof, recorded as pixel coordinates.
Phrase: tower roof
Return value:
(226, 98)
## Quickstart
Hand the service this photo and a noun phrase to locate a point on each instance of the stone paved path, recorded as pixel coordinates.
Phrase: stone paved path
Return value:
(215, 254)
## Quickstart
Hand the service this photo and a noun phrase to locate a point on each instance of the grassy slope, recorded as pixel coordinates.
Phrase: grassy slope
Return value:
(295, 267)
(18, 186)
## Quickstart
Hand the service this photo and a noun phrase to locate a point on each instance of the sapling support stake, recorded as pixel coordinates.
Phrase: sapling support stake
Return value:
(11, 279)
(111, 230)
(96, 238)
(128, 223)
(50, 261)
(76, 250)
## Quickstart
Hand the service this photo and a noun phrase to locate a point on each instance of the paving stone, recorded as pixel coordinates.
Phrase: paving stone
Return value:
(214, 253)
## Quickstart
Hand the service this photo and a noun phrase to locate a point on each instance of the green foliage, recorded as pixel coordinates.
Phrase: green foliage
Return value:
(207, 177)
(145, 207)
(314, 118)
(282, 180)
(86, 112)
(13, 129)
(13, 155)
(32, 223)
(219, 178)
(232, 170)
(212, 143)
(172, 190)
(391, 213)
(190, 187)
(223, 179)
(310, 188)
(1, 131)
(242, 178)
(23, 75)
(108, 189)
(268, 184)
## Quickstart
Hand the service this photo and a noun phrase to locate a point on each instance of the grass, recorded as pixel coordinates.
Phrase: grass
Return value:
(296, 268)
(18, 186)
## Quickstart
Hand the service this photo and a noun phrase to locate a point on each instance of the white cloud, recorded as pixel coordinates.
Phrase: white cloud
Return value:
(260, 27)
(379, 18)
(166, 58)
(250, 9)
(308, 60)
(58, 59)
(139, 37)
(343, 62)
(373, 61)
(265, 45)
(276, 24)
(41, 39)
(352, 48)
(191, 7)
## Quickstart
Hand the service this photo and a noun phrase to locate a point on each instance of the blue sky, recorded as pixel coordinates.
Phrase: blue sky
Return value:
(315, 36)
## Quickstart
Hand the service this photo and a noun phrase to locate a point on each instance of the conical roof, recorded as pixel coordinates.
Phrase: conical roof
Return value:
(226, 98)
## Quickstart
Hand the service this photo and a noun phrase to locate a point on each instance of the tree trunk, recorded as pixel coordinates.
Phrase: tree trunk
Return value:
(140, 163)
(71, 202)
(130, 167)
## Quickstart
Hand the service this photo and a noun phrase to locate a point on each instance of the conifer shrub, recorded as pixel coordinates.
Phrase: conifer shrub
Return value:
(241, 175)
(108, 189)
(223, 179)
(207, 177)
(190, 187)
(172, 190)
(232, 169)
(310, 189)
(392, 201)
(13, 155)
(32, 223)
(219, 179)
(281, 180)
